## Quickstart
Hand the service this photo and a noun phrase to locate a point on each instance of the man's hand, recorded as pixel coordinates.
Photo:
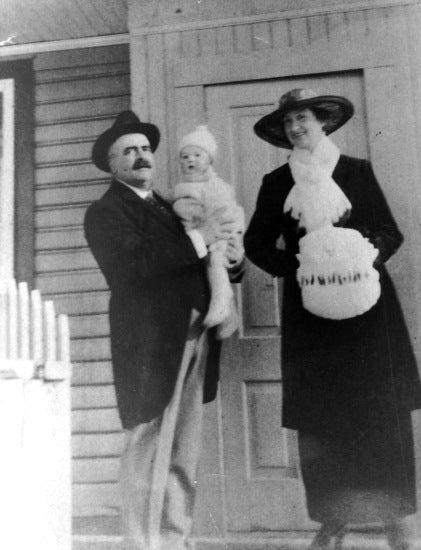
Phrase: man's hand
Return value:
(217, 226)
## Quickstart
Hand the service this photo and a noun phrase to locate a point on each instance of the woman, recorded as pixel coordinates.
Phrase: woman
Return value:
(349, 384)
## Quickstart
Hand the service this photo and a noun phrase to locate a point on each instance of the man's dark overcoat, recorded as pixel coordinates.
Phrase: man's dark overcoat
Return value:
(156, 279)
(334, 372)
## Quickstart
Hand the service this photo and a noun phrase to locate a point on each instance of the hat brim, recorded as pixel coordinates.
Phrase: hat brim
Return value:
(105, 140)
(270, 128)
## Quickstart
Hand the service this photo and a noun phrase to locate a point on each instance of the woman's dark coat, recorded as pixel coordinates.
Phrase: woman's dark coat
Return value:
(156, 279)
(335, 374)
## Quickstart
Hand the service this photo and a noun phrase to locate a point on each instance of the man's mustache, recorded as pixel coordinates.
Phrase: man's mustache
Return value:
(141, 164)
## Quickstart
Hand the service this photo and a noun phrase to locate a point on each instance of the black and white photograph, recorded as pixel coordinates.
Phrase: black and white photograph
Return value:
(210, 274)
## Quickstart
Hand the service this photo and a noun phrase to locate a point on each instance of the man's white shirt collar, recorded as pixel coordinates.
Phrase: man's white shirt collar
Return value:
(139, 192)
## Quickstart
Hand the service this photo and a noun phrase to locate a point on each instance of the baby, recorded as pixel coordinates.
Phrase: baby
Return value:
(200, 182)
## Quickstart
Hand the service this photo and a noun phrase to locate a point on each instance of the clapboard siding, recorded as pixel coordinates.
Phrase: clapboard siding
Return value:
(94, 470)
(94, 396)
(54, 284)
(94, 372)
(78, 94)
(83, 107)
(81, 303)
(63, 132)
(64, 171)
(67, 193)
(104, 498)
(95, 420)
(86, 72)
(103, 86)
(60, 215)
(98, 445)
(60, 237)
(89, 326)
(47, 155)
(82, 57)
(71, 260)
(94, 348)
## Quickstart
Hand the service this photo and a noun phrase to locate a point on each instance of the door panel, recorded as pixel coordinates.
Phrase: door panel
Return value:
(262, 476)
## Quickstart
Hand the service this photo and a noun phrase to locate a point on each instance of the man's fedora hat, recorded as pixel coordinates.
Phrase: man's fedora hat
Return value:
(126, 123)
(336, 111)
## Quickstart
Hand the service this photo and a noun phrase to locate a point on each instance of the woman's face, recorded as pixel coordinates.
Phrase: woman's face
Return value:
(303, 129)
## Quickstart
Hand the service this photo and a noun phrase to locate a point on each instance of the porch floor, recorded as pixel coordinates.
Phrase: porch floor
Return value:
(104, 533)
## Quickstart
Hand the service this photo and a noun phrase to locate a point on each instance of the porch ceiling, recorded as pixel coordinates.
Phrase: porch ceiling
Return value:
(31, 21)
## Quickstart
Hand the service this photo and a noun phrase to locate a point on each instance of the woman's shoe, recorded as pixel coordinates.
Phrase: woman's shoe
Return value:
(396, 537)
(339, 539)
(327, 533)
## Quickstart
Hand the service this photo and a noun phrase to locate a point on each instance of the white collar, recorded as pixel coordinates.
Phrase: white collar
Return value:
(142, 193)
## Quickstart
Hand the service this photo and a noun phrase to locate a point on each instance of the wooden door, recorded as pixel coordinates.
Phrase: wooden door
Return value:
(261, 468)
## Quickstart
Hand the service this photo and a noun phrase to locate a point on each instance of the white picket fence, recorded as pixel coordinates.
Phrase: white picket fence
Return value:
(35, 427)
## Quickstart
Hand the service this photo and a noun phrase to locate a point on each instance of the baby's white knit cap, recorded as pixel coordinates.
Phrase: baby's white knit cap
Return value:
(202, 138)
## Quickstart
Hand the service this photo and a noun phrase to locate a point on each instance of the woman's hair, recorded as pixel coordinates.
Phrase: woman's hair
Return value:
(327, 113)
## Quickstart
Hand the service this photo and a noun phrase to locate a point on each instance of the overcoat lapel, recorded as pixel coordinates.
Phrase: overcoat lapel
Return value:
(171, 221)
(341, 176)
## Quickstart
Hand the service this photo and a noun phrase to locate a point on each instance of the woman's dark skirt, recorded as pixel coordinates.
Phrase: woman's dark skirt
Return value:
(363, 474)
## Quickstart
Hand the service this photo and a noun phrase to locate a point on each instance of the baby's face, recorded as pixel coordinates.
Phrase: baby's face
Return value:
(194, 161)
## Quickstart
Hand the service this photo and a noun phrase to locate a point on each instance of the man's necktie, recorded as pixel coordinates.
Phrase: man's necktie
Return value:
(153, 201)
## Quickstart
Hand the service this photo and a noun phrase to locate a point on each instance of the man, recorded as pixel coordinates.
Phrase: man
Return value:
(159, 295)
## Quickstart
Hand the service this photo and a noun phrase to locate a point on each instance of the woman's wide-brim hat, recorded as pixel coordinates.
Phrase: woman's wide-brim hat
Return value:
(338, 110)
(126, 123)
